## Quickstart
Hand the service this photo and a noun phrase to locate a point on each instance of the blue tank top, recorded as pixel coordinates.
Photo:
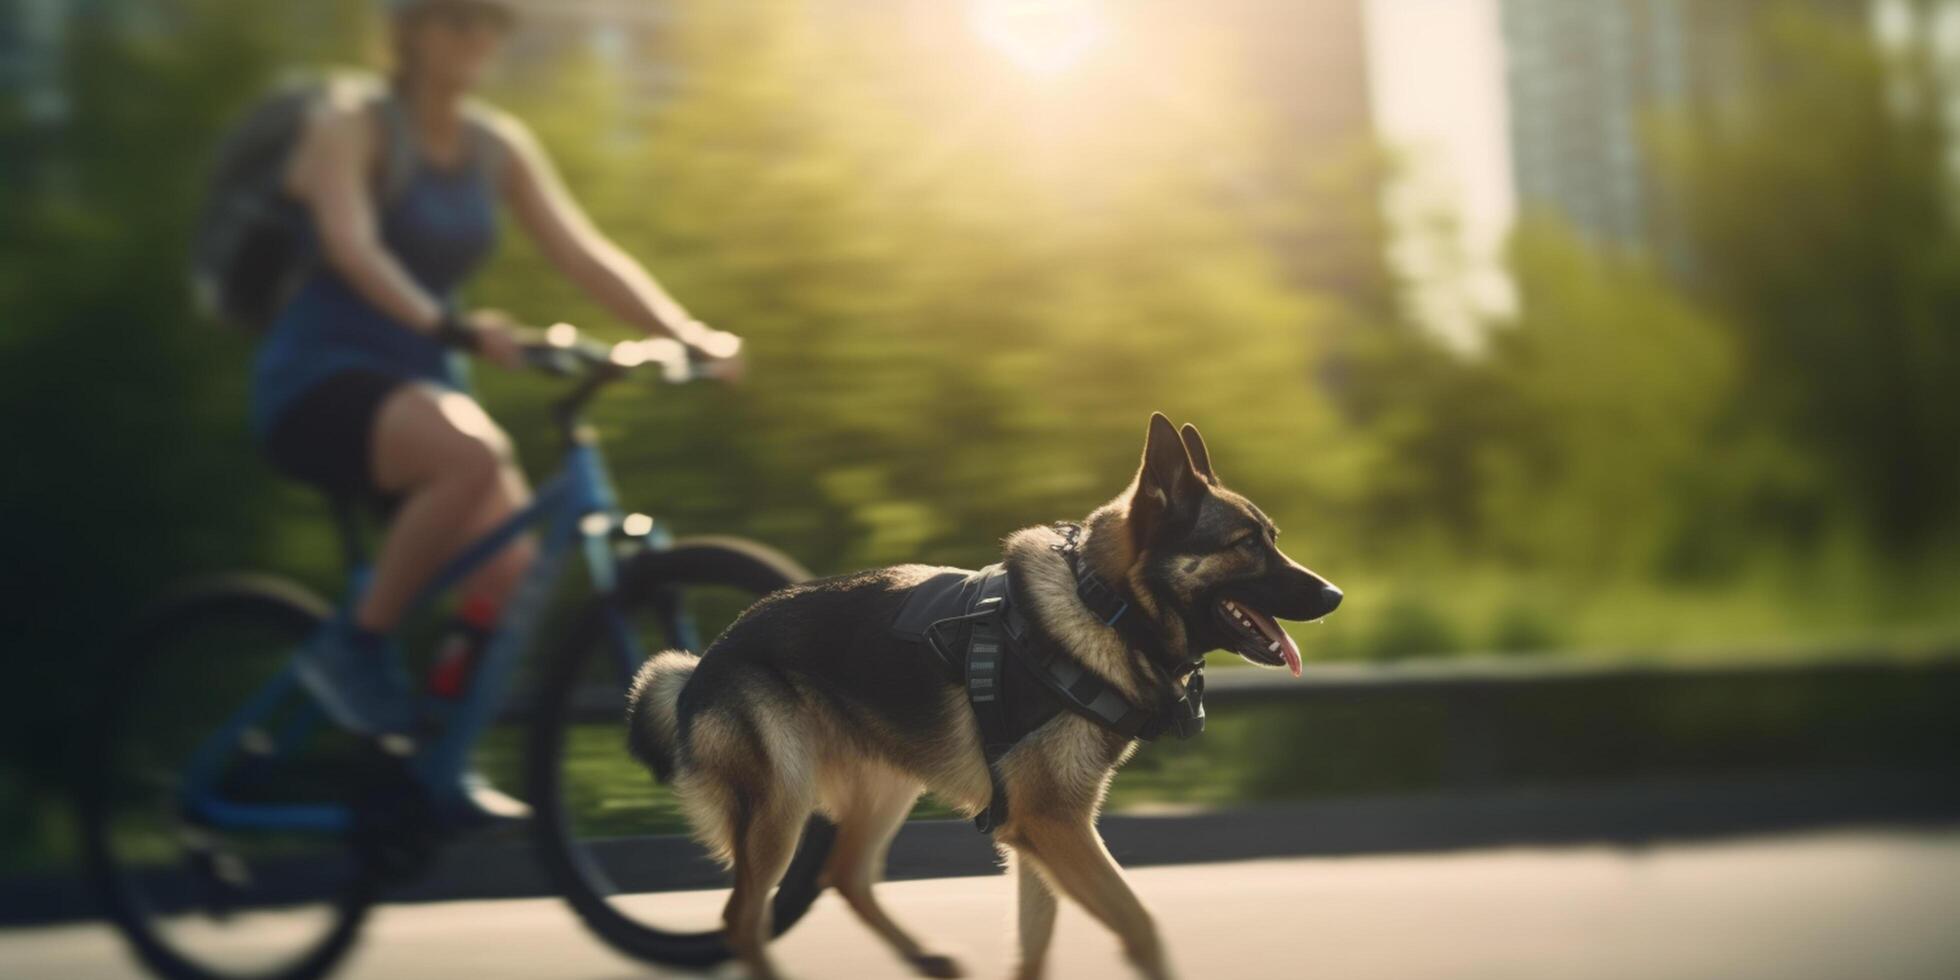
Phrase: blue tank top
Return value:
(441, 225)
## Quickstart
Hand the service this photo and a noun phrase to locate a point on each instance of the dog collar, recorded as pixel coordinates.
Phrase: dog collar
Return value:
(1104, 602)
(1185, 713)
(1109, 604)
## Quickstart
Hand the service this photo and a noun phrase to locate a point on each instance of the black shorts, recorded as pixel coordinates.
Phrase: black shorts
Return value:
(326, 438)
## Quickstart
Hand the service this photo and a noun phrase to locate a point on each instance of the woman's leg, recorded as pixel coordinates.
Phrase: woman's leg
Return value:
(494, 581)
(452, 467)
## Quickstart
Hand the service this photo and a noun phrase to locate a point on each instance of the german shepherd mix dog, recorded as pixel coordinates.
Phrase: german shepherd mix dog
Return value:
(809, 702)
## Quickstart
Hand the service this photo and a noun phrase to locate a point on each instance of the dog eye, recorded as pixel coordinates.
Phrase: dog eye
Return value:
(1250, 542)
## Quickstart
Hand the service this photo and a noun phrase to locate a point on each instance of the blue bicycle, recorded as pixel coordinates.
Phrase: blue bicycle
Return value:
(231, 831)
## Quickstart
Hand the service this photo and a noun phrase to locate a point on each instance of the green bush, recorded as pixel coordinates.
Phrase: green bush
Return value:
(1524, 628)
(1409, 627)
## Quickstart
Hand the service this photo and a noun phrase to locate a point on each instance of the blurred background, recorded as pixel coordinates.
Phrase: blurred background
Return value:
(1608, 341)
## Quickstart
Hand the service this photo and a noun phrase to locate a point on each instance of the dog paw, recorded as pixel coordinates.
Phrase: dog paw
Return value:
(935, 965)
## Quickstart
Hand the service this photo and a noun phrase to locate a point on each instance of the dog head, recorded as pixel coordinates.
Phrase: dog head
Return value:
(1202, 561)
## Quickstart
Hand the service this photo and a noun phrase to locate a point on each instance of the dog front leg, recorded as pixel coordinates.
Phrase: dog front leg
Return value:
(1078, 863)
(1037, 918)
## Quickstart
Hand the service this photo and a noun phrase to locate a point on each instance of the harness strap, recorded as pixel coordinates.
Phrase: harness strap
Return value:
(1102, 600)
(980, 667)
(996, 629)
(1185, 714)
(1085, 693)
(985, 658)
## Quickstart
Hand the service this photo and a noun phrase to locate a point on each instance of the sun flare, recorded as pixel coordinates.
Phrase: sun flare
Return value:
(1042, 37)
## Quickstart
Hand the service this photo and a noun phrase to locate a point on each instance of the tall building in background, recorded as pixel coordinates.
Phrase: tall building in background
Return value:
(1583, 76)
(1307, 61)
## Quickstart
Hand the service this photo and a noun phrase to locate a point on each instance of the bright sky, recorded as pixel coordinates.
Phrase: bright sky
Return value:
(1436, 69)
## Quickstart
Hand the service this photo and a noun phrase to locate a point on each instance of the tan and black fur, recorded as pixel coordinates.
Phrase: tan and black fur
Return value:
(809, 703)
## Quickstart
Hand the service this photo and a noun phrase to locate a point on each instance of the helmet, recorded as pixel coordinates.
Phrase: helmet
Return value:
(499, 9)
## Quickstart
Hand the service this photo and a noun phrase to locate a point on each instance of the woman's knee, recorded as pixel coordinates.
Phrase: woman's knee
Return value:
(426, 435)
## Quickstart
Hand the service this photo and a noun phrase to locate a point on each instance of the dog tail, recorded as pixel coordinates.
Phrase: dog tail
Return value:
(653, 729)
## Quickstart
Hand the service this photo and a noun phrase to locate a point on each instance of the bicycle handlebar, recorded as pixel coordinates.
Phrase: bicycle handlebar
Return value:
(564, 353)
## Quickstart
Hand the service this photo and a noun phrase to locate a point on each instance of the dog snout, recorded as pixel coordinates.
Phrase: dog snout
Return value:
(1299, 594)
(1330, 599)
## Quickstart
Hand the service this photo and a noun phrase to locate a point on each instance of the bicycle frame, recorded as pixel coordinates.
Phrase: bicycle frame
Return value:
(577, 508)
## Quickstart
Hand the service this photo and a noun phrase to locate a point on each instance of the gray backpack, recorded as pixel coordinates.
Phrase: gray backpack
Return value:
(250, 249)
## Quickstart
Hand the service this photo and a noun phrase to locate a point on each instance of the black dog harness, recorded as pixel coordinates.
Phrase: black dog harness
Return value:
(1016, 679)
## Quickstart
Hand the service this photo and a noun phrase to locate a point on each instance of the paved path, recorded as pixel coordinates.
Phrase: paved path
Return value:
(1866, 905)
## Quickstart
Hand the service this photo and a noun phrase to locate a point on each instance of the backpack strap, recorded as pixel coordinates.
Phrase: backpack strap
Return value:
(399, 148)
(487, 152)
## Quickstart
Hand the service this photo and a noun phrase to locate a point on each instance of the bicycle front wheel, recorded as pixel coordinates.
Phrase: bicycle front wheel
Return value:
(613, 840)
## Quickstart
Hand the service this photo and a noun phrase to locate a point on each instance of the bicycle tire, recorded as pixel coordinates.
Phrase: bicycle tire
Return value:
(722, 562)
(265, 601)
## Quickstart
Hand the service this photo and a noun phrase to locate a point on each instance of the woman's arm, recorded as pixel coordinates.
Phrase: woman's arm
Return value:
(331, 176)
(586, 256)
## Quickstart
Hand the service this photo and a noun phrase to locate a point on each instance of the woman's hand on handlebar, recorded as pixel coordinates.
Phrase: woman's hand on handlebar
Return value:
(500, 339)
(717, 354)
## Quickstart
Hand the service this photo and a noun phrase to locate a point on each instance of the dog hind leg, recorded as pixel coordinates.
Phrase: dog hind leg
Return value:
(764, 845)
(869, 815)
(759, 761)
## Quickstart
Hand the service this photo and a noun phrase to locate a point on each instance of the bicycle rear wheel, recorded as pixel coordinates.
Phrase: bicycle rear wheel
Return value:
(615, 842)
(201, 720)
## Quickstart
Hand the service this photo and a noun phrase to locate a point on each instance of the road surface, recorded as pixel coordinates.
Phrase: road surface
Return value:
(1870, 905)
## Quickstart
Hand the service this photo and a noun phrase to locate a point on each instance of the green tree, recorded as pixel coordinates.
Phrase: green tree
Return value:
(1817, 203)
(124, 410)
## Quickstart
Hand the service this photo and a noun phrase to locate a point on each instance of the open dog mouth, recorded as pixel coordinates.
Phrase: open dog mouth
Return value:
(1257, 636)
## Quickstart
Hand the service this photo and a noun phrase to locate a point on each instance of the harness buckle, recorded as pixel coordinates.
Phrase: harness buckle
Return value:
(1188, 712)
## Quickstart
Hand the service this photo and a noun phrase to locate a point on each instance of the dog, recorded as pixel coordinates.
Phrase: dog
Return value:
(809, 702)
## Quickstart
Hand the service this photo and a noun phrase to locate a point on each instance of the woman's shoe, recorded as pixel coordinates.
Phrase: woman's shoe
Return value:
(358, 681)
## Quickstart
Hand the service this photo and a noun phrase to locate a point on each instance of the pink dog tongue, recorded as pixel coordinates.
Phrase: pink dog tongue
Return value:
(1282, 642)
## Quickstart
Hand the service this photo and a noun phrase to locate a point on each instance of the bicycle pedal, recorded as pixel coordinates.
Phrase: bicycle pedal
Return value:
(395, 828)
(256, 743)
(219, 880)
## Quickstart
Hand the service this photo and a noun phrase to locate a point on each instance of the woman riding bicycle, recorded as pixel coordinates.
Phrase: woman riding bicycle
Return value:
(356, 389)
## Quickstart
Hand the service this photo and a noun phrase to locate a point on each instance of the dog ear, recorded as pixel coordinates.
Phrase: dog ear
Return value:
(1167, 485)
(1194, 446)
